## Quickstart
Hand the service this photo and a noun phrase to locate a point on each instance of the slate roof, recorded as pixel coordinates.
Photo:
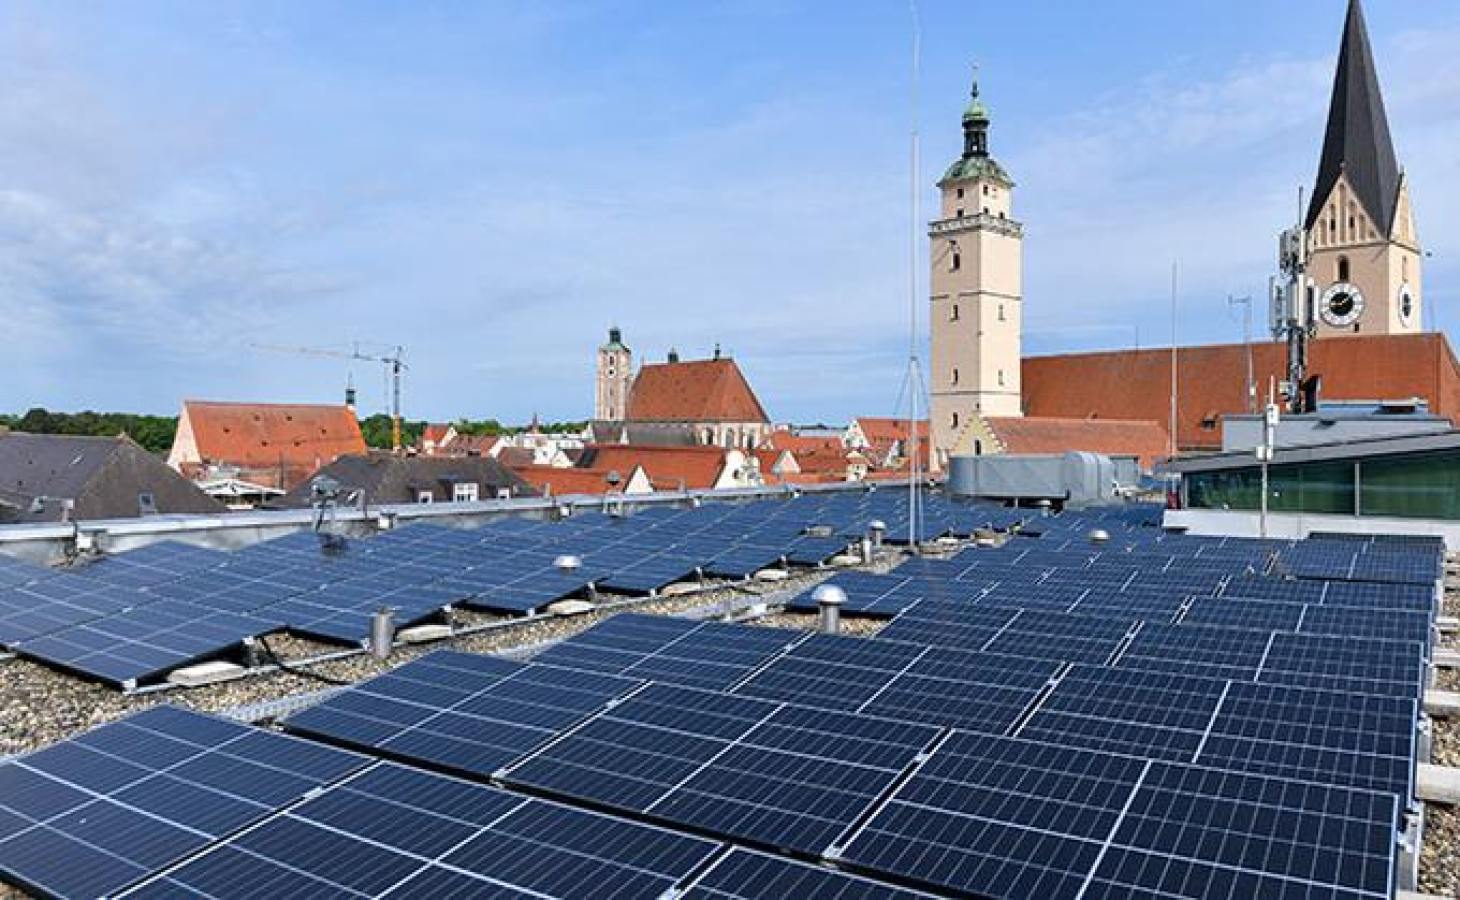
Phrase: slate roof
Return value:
(703, 390)
(387, 478)
(1357, 142)
(104, 476)
(1135, 384)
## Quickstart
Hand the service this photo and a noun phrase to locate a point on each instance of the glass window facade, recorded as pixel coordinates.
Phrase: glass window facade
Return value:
(1425, 486)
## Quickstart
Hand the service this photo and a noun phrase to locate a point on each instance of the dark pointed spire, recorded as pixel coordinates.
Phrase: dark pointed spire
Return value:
(1357, 142)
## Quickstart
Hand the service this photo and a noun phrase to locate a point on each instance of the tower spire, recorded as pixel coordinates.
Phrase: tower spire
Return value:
(1357, 143)
(975, 123)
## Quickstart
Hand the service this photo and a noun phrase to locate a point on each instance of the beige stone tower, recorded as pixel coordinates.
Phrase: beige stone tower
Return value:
(977, 291)
(1364, 254)
(615, 374)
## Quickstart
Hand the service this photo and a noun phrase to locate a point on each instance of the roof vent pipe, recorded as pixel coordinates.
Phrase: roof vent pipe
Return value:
(568, 563)
(830, 599)
(1099, 536)
(877, 530)
(382, 632)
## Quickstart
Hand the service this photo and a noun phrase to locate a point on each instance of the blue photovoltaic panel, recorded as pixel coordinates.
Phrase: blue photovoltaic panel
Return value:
(458, 711)
(1196, 832)
(1388, 668)
(1149, 714)
(778, 776)
(747, 875)
(407, 833)
(91, 815)
(1334, 738)
(1195, 650)
(998, 817)
(709, 655)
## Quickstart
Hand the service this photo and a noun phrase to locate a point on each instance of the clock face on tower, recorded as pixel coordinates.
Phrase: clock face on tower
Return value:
(1341, 305)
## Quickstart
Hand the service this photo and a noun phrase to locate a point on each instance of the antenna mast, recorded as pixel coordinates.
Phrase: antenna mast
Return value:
(914, 375)
(1292, 307)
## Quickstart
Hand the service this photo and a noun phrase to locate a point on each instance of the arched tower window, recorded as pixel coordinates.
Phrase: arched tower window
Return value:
(955, 375)
(953, 316)
(1343, 268)
(955, 420)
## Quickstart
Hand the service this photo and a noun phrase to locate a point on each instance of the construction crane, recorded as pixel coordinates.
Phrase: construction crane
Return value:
(394, 367)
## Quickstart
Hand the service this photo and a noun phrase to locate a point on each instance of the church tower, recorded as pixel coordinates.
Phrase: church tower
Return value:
(977, 291)
(1364, 254)
(615, 372)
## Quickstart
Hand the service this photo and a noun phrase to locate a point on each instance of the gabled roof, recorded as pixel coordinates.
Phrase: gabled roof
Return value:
(782, 439)
(704, 390)
(103, 476)
(559, 481)
(272, 435)
(878, 430)
(1112, 437)
(1357, 143)
(387, 478)
(698, 467)
(1211, 380)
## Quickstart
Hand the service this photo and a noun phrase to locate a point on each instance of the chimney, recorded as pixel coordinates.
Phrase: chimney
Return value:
(717, 349)
(673, 355)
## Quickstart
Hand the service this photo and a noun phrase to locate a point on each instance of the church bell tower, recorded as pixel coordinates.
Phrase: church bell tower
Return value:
(615, 372)
(1364, 254)
(977, 291)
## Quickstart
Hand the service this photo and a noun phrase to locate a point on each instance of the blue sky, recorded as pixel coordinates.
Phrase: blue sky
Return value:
(492, 185)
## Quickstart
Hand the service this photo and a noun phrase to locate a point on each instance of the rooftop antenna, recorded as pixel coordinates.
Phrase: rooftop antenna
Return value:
(1291, 307)
(1174, 271)
(914, 373)
(1246, 303)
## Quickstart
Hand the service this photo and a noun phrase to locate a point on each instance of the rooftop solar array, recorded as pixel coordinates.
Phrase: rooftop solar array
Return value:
(1050, 718)
(129, 618)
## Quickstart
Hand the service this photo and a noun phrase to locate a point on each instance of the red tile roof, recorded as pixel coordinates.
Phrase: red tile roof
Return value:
(886, 430)
(434, 433)
(1211, 380)
(781, 439)
(706, 390)
(1112, 437)
(698, 467)
(560, 481)
(292, 439)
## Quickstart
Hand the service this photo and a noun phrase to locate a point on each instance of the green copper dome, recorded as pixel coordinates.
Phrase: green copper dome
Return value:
(970, 167)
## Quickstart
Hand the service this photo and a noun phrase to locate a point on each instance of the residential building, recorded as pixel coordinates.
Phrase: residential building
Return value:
(886, 441)
(679, 468)
(54, 478)
(557, 481)
(381, 478)
(276, 445)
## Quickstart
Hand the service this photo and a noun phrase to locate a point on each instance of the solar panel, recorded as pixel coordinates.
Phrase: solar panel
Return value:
(459, 712)
(414, 834)
(1154, 715)
(1331, 737)
(750, 875)
(1002, 817)
(710, 655)
(781, 777)
(88, 816)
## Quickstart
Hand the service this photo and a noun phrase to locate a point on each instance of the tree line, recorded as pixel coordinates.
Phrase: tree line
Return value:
(155, 433)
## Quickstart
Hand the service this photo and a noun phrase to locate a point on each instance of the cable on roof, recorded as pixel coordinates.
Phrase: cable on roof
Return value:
(294, 670)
